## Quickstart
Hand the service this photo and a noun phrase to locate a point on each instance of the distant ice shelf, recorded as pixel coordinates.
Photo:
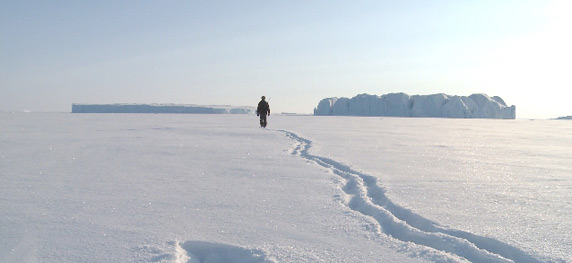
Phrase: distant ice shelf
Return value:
(565, 118)
(161, 108)
(404, 105)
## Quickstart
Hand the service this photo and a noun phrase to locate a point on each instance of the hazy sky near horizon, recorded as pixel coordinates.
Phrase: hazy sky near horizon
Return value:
(55, 53)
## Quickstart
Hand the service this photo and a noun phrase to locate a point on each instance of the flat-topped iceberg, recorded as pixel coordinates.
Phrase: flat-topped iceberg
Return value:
(404, 105)
(160, 108)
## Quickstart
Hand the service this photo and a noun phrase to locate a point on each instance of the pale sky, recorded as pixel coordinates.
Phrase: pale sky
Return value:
(55, 53)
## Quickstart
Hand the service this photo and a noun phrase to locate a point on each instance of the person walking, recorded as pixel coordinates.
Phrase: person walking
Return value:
(263, 110)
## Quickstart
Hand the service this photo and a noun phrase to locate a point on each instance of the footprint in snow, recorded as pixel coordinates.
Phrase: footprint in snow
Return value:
(207, 252)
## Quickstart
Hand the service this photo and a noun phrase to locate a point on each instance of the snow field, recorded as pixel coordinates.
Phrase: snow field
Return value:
(210, 188)
(367, 198)
(505, 180)
(160, 188)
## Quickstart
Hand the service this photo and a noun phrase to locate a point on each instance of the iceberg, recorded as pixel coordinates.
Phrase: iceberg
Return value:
(160, 108)
(403, 105)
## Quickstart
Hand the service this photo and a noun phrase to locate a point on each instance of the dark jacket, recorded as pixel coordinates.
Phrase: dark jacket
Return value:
(263, 108)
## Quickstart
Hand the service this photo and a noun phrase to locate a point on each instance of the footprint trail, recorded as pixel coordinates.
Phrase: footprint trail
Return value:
(369, 199)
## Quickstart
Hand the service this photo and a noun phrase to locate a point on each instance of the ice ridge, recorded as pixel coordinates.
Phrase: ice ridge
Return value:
(368, 198)
(404, 105)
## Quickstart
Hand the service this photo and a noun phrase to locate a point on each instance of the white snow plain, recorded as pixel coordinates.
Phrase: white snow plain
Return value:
(216, 188)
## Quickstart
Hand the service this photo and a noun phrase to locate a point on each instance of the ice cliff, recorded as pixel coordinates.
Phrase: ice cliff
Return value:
(404, 105)
(159, 108)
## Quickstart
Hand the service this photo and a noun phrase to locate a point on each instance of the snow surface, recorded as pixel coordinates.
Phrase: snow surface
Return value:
(160, 108)
(216, 188)
(404, 105)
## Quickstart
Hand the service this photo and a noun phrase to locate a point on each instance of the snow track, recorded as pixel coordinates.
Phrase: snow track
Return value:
(368, 198)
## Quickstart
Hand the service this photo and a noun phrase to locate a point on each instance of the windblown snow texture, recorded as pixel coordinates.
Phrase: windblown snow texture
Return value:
(366, 197)
(159, 108)
(404, 105)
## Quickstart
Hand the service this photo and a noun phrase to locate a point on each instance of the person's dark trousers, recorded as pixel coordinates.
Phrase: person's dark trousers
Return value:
(263, 120)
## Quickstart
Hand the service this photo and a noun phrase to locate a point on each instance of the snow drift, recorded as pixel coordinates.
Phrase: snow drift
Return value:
(160, 108)
(404, 105)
